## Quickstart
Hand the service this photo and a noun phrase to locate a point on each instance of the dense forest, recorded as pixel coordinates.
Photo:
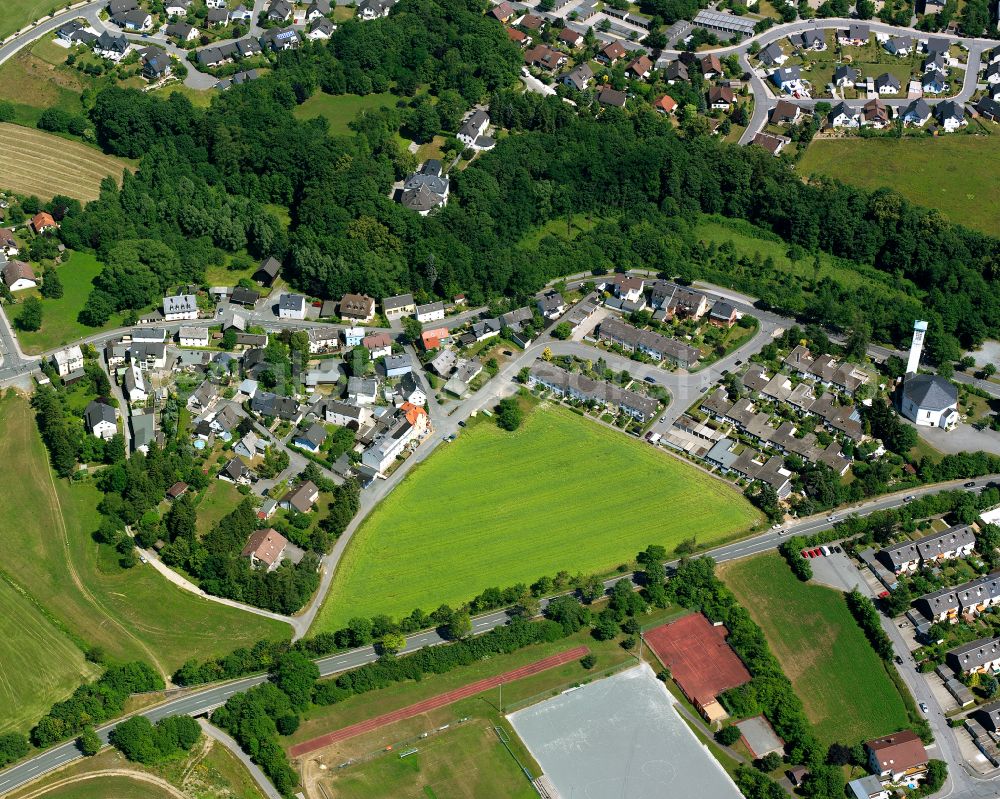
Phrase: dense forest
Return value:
(206, 176)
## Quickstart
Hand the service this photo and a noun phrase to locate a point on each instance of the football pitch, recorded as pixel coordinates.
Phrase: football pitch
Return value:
(497, 508)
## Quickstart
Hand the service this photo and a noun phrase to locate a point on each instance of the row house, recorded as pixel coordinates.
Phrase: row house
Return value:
(582, 388)
(655, 345)
(827, 370)
(969, 599)
(955, 542)
(678, 301)
(981, 656)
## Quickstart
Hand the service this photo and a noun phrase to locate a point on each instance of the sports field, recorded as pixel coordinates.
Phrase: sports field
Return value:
(46, 544)
(846, 691)
(340, 109)
(497, 508)
(957, 174)
(35, 162)
(39, 664)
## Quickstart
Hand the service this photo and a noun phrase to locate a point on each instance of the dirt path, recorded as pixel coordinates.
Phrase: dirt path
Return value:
(435, 702)
(27, 424)
(139, 776)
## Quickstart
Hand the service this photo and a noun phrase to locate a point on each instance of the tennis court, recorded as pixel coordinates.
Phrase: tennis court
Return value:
(620, 736)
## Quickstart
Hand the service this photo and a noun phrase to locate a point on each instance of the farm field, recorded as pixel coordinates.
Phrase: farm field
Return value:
(848, 695)
(35, 162)
(47, 545)
(100, 787)
(18, 13)
(59, 323)
(39, 663)
(931, 172)
(496, 508)
(340, 109)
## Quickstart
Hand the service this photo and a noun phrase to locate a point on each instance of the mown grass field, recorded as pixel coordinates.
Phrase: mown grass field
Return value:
(339, 110)
(47, 545)
(219, 498)
(35, 162)
(956, 174)
(59, 323)
(18, 13)
(107, 786)
(39, 664)
(848, 695)
(497, 508)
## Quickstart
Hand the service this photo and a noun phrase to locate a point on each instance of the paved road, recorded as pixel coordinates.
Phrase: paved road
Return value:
(265, 785)
(202, 701)
(48, 26)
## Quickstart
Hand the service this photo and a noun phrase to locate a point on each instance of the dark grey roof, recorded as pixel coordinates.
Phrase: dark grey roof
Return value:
(886, 79)
(930, 392)
(949, 109)
(292, 302)
(918, 108)
(98, 412)
(845, 71)
(975, 654)
(771, 53)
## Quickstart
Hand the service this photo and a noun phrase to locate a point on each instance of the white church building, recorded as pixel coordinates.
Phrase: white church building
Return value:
(927, 400)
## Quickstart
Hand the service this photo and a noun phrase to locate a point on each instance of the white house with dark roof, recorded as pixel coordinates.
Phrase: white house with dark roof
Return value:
(788, 79)
(473, 131)
(917, 113)
(180, 306)
(135, 385)
(292, 306)
(843, 116)
(399, 306)
(950, 115)
(982, 656)
(426, 189)
(431, 312)
(101, 420)
(193, 336)
(929, 401)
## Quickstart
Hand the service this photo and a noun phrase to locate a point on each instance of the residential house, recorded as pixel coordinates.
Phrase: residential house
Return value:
(101, 420)
(788, 79)
(675, 300)
(981, 656)
(868, 787)
(176, 8)
(180, 306)
(18, 276)
(244, 296)
(266, 403)
(520, 38)
(399, 306)
(854, 36)
(177, 490)
(711, 66)
(250, 446)
(656, 346)
(611, 97)
(42, 222)
(379, 345)
(579, 77)
(721, 98)
(292, 306)
(570, 38)
(665, 104)
(267, 272)
(8, 244)
(969, 599)
(771, 142)
(279, 11)
(135, 385)
(278, 39)
(935, 62)
(639, 68)
(411, 390)
(117, 7)
(955, 542)
(444, 363)
(374, 9)
(988, 109)
(346, 415)
(241, 14)
(311, 439)
(675, 71)
(950, 115)
(887, 83)
(193, 336)
(785, 113)
(900, 46)
(144, 432)
(431, 312)
(722, 314)
(302, 498)
(532, 22)
(517, 324)
(875, 114)
(992, 74)
(809, 40)
(845, 76)
(551, 305)
(322, 338)
(582, 389)
(353, 336)
(898, 756)
(433, 339)
(426, 189)
(397, 365)
(237, 472)
(843, 116)
(182, 31)
(473, 131)
(203, 397)
(541, 56)
(111, 46)
(326, 372)
(320, 29)
(610, 53)
(917, 113)
(362, 391)
(502, 12)
(772, 55)
(135, 20)
(67, 360)
(317, 9)
(265, 548)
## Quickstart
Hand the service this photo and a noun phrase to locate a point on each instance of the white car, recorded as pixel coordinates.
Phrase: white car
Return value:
(923, 708)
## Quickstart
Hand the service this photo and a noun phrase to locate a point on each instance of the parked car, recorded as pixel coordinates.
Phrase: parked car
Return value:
(923, 708)
(739, 363)
(837, 549)
(884, 595)
(724, 372)
(703, 389)
(910, 498)
(898, 660)
(805, 553)
(831, 518)
(649, 379)
(461, 422)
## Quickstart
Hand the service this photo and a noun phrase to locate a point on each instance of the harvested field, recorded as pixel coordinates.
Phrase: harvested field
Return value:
(34, 162)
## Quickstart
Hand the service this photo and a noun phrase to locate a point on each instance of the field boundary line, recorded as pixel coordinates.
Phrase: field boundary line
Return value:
(439, 701)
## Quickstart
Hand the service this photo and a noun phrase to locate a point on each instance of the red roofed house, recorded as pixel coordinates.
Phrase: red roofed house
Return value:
(516, 36)
(416, 416)
(611, 53)
(177, 490)
(432, 339)
(378, 344)
(640, 67)
(570, 37)
(18, 275)
(265, 548)
(665, 104)
(710, 66)
(42, 222)
(544, 57)
(503, 12)
(531, 22)
(897, 756)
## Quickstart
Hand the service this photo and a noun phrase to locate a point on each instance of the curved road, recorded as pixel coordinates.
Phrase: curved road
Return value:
(206, 699)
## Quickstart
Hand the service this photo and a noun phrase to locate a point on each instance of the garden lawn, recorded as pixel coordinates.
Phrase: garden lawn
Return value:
(46, 544)
(59, 322)
(847, 693)
(39, 663)
(934, 172)
(221, 497)
(340, 109)
(497, 508)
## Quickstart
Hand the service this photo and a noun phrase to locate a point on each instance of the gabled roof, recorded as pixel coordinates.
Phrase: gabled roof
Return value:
(266, 546)
(98, 412)
(918, 109)
(898, 752)
(930, 392)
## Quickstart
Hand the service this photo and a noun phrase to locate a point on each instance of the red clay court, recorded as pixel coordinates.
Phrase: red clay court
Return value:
(437, 701)
(699, 659)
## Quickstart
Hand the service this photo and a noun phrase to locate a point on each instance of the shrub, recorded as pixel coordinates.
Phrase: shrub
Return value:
(728, 735)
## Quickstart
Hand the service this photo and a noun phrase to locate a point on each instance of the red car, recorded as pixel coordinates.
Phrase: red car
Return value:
(805, 553)
(883, 595)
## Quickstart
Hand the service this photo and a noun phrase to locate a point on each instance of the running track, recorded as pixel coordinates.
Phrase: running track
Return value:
(437, 701)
